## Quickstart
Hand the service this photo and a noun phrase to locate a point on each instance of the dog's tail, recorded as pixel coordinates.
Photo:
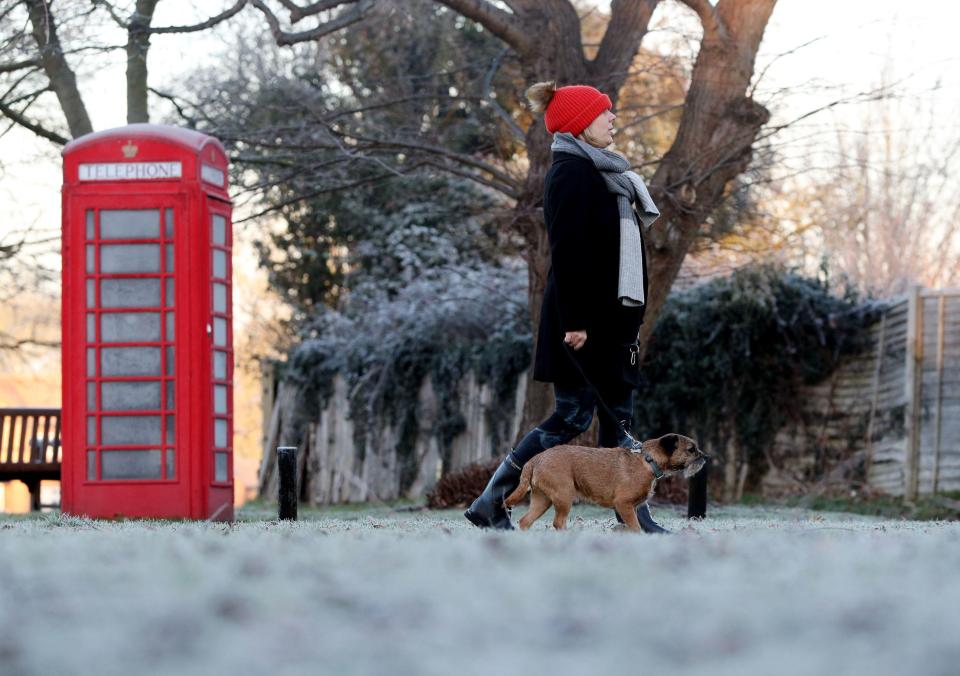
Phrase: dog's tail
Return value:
(522, 487)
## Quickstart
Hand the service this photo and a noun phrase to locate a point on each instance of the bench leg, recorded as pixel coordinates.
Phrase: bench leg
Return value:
(34, 488)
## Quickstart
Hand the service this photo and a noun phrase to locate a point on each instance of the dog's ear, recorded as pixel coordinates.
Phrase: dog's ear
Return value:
(668, 442)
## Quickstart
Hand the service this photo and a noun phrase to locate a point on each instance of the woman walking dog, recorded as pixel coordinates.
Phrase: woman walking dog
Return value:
(595, 296)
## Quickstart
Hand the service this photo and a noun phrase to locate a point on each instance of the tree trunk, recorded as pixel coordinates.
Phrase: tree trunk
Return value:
(138, 42)
(539, 400)
(63, 82)
(713, 146)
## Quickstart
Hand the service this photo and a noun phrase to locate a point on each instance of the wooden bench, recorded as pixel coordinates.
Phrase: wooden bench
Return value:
(30, 447)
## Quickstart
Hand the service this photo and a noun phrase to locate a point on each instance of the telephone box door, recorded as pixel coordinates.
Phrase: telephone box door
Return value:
(130, 309)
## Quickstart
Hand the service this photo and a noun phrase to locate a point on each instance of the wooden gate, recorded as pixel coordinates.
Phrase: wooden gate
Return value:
(933, 392)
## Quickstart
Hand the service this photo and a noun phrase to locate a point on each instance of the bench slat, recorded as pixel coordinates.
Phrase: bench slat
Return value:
(21, 441)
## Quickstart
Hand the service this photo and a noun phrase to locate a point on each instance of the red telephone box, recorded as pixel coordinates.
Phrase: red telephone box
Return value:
(147, 325)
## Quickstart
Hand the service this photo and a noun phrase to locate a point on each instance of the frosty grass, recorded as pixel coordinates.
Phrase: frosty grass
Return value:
(377, 591)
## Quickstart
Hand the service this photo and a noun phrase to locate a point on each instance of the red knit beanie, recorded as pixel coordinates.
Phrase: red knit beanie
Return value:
(574, 107)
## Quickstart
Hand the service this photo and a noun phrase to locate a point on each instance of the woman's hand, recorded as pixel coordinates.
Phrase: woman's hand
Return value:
(575, 339)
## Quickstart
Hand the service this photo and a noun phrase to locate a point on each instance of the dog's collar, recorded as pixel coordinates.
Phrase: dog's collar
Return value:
(657, 472)
(637, 447)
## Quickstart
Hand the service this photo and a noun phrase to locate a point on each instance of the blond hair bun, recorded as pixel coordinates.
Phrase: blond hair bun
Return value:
(540, 95)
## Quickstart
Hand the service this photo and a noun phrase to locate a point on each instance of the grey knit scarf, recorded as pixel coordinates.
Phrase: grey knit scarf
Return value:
(629, 189)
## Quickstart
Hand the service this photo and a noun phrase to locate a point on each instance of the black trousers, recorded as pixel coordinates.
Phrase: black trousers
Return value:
(575, 405)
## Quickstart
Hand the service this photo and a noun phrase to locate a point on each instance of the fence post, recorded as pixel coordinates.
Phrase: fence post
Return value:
(912, 383)
(938, 416)
(287, 482)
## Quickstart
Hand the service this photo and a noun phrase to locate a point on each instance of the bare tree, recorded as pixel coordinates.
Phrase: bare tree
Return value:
(24, 273)
(887, 215)
(35, 58)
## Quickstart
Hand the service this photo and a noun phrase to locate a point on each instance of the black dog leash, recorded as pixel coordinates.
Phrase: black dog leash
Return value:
(606, 408)
(634, 443)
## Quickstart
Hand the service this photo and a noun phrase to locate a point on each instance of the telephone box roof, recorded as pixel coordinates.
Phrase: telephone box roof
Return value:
(189, 139)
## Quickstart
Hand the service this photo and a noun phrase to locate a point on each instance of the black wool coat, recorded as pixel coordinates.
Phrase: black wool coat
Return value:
(583, 228)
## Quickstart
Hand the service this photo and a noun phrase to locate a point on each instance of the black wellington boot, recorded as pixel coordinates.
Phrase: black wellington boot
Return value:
(487, 511)
(647, 524)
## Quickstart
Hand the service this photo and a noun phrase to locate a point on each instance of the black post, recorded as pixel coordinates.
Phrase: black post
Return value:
(697, 493)
(287, 473)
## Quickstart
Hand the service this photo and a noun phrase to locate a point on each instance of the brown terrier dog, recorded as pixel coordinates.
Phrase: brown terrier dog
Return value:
(610, 477)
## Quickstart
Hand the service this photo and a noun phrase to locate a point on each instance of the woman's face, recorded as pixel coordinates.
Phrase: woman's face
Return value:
(600, 131)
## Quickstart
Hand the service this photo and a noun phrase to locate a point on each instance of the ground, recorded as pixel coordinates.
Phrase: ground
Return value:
(380, 591)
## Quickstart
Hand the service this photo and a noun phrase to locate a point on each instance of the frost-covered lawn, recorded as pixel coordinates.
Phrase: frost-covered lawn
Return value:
(374, 591)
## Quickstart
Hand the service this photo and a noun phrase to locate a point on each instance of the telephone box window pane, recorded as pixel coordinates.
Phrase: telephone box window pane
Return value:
(219, 297)
(91, 258)
(219, 398)
(171, 474)
(91, 362)
(219, 365)
(130, 224)
(220, 433)
(168, 257)
(130, 429)
(171, 323)
(130, 361)
(129, 327)
(91, 328)
(219, 331)
(130, 464)
(121, 258)
(219, 264)
(168, 223)
(219, 230)
(170, 362)
(170, 289)
(171, 395)
(90, 232)
(91, 396)
(130, 292)
(91, 430)
(131, 396)
(220, 467)
(91, 293)
(91, 465)
(171, 429)
(212, 175)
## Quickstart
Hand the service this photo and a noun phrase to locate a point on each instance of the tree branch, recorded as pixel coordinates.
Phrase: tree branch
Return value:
(324, 191)
(209, 23)
(507, 180)
(502, 24)
(713, 25)
(63, 81)
(192, 121)
(297, 12)
(112, 11)
(19, 65)
(35, 127)
(13, 344)
(621, 42)
(342, 20)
